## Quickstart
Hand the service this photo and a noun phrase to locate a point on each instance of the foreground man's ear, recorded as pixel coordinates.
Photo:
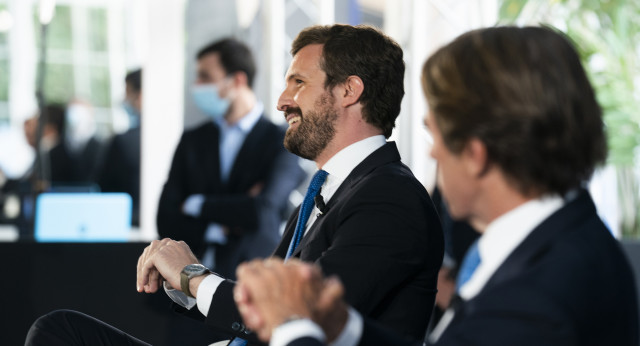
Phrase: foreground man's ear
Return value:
(351, 91)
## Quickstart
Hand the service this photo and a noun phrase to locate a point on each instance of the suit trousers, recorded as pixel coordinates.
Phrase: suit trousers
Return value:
(66, 327)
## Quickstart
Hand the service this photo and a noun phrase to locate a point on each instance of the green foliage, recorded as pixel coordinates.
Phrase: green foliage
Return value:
(607, 35)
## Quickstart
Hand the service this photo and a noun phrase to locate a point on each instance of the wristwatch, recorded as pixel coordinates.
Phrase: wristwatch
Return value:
(190, 271)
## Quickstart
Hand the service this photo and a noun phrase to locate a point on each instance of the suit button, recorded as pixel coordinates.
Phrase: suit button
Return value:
(237, 327)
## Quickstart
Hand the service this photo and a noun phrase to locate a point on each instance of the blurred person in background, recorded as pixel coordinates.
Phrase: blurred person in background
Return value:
(80, 140)
(120, 169)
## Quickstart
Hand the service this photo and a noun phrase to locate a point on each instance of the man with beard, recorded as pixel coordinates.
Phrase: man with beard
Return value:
(365, 219)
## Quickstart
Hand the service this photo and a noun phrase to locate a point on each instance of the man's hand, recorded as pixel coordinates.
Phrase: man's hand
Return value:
(256, 189)
(162, 259)
(270, 292)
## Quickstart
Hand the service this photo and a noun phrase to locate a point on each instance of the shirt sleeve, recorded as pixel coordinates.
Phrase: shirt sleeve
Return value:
(292, 330)
(193, 205)
(206, 290)
(352, 331)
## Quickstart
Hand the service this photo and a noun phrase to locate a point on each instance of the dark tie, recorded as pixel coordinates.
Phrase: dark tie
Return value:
(469, 264)
(305, 210)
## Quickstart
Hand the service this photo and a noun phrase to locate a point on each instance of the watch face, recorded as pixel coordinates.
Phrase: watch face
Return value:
(194, 268)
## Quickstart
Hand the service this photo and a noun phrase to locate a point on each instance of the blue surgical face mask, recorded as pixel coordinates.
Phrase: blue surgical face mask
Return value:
(208, 99)
(134, 115)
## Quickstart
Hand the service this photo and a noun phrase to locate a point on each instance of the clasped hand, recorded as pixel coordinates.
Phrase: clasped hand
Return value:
(162, 259)
(270, 292)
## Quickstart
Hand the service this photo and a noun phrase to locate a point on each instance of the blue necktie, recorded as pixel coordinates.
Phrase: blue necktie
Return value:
(469, 264)
(305, 210)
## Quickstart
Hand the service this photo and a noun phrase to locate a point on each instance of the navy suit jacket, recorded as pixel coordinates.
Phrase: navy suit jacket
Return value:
(254, 222)
(381, 236)
(568, 283)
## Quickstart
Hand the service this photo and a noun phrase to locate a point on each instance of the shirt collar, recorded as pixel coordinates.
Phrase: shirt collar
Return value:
(246, 123)
(505, 234)
(341, 164)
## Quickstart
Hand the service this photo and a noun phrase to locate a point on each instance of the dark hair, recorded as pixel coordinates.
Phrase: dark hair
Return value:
(524, 94)
(365, 52)
(54, 115)
(134, 79)
(235, 56)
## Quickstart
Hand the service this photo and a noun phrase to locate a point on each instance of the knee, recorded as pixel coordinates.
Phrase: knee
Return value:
(50, 326)
(56, 317)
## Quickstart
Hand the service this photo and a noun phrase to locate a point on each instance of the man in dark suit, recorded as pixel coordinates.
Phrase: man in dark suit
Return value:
(517, 133)
(371, 221)
(231, 177)
(120, 170)
(371, 214)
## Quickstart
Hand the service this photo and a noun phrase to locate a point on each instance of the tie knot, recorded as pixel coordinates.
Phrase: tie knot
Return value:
(317, 181)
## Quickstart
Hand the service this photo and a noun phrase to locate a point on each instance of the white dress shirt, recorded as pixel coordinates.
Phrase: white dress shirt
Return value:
(339, 167)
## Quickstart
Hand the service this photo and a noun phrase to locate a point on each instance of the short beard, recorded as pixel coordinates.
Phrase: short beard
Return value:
(315, 130)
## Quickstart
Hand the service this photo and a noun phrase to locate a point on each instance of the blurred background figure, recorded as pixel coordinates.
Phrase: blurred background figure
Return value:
(53, 166)
(120, 170)
(81, 142)
(56, 164)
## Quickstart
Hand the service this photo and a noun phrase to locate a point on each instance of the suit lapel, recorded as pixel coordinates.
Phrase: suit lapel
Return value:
(385, 154)
(283, 246)
(208, 147)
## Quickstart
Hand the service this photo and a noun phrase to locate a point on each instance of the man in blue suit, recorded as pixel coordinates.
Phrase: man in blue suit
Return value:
(517, 133)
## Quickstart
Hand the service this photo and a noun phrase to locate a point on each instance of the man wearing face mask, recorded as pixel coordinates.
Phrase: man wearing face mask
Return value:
(231, 177)
(120, 171)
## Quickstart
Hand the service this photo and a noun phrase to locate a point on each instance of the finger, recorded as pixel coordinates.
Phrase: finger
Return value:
(240, 294)
(138, 288)
(332, 292)
(145, 266)
(249, 313)
(140, 281)
(152, 285)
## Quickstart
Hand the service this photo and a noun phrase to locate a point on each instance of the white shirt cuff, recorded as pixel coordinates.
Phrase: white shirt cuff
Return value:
(193, 205)
(352, 331)
(206, 290)
(289, 331)
(178, 297)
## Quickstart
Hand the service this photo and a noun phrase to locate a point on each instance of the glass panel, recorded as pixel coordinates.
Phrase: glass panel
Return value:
(97, 29)
(58, 31)
(4, 80)
(3, 35)
(100, 86)
(58, 84)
